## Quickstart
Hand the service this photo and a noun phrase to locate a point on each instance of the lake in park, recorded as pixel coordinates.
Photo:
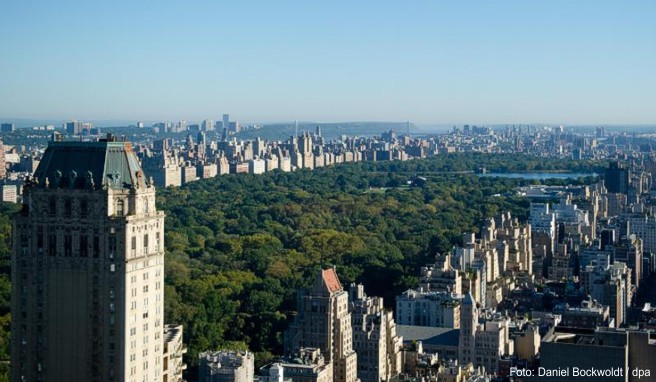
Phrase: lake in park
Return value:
(539, 175)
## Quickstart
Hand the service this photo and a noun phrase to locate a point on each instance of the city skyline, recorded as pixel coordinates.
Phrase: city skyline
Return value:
(432, 63)
(506, 271)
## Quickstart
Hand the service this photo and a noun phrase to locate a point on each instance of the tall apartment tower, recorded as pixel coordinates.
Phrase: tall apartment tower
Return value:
(324, 322)
(88, 269)
(468, 329)
(374, 337)
(617, 178)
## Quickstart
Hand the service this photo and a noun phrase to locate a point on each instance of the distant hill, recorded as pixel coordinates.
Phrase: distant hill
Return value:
(28, 122)
(281, 131)
(24, 122)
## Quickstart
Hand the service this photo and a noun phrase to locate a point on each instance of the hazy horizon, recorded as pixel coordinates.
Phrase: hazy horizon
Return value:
(114, 123)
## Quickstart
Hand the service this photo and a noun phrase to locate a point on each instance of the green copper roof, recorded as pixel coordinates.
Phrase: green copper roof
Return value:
(92, 165)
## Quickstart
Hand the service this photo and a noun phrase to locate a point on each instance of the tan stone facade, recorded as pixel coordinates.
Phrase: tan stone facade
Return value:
(88, 269)
(374, 337)
(324, 322)
(173, 351)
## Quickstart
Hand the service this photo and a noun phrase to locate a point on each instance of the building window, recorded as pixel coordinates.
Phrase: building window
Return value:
(53, 207)
(120, 208)
(112, 246)
(68, 209)
(39, 240)
(96, 247)
(84, 209)
(84, 246)
(68, 246)
(25, 244)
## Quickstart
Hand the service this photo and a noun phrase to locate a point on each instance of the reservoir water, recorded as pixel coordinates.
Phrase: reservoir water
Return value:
(539, 175)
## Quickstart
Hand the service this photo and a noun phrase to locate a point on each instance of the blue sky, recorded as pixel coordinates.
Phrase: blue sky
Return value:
(551, 61)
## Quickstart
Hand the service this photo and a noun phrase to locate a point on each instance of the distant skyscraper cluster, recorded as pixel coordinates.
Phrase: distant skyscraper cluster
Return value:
(200, 158)
(79, 128)
(7, 127)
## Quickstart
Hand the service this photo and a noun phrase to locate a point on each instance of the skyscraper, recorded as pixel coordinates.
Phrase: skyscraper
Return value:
(7, 127)
(208, 125)
(88, 269)
(468, 328)
(226, 121)
(374, 337)
(76, 127)
(324, 322)
(617, 178)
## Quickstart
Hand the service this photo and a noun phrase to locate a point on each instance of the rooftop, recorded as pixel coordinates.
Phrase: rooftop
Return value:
(331, 280)
(171, 331)
(90, 165)
(429, 335)
(226, 359)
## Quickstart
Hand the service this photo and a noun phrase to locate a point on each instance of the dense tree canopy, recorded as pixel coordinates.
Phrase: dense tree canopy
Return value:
(239, 247)
(6, 210)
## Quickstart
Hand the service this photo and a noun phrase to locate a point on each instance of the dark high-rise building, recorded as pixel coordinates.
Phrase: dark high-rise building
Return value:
(617, 178)
(76, 127)
(608, 237)
(7, 127)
